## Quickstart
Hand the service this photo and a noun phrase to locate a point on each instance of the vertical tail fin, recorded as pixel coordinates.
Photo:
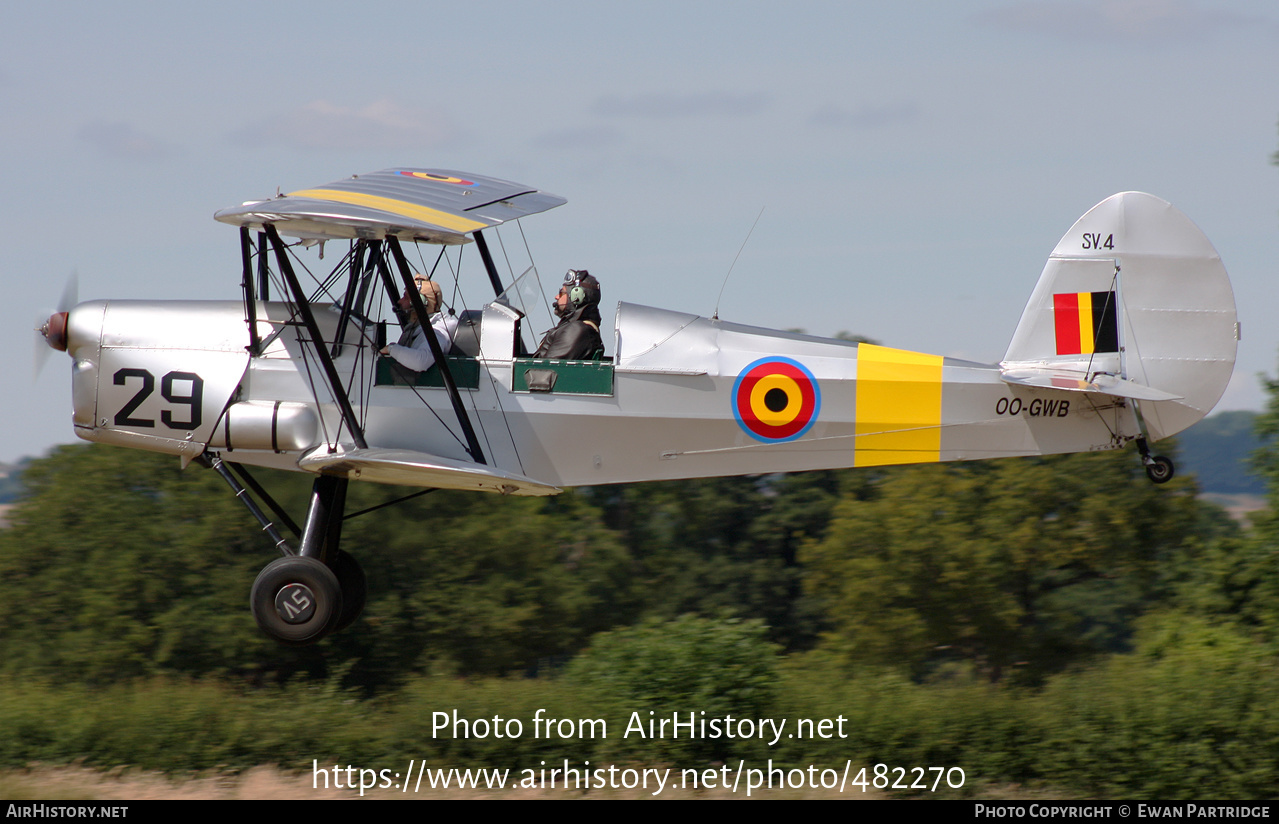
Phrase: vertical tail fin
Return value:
(1134, 292)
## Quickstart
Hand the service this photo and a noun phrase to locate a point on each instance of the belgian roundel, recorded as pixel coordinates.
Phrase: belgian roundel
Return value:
(438, 178)
(776, 399)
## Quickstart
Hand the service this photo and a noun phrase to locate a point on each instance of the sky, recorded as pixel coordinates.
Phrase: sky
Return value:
(911, 165)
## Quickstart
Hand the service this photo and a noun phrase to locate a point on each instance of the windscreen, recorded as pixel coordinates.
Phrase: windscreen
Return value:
(527, 297)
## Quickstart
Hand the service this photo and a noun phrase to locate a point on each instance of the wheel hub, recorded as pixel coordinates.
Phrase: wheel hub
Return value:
(295, 603)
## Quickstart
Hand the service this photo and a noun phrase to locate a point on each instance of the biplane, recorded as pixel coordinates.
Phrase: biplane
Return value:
(1129, 336)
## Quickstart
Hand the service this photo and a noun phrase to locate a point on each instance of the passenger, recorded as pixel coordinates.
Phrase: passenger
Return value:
(413, 351)
(577, 336)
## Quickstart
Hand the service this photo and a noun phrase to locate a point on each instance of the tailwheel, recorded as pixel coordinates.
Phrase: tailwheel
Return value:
(1159, 469)
(296, 600)
(350, 577)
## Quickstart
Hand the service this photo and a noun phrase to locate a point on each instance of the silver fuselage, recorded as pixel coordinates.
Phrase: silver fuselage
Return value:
(677, 406)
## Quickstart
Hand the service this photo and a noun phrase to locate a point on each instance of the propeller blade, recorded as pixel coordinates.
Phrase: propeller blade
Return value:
(40, 351)
(70, 290)
(51, 329)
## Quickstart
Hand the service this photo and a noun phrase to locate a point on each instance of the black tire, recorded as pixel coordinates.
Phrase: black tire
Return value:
(1161, 470)
(351, 579)
(296, 600)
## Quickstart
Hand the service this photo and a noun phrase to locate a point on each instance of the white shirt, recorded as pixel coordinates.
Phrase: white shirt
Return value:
(417, 355)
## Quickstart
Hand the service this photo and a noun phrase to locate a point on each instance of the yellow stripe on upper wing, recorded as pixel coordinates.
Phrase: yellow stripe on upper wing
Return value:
(435, 217)
(898, 406)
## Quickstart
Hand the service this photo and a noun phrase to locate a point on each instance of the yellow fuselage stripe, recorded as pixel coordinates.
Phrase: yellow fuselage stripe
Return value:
(898, 407)
(435, 217)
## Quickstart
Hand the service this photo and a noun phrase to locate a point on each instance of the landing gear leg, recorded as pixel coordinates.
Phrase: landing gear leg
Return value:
(1158, 468)
(321, 538)
(313, 591)
(323, 529)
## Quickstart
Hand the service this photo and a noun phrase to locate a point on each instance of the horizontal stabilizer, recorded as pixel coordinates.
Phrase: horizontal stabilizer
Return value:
(1079, 382)
(409, 468)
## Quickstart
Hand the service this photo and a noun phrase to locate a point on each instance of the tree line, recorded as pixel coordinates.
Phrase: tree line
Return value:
(118, 564)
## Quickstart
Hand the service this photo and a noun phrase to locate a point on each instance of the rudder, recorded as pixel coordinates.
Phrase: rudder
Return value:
(1136, 294)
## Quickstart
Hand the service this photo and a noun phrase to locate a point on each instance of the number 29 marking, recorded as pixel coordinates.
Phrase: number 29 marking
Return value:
(192, 398)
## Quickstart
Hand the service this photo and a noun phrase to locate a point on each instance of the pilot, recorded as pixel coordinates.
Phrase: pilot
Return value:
(413, 351)
(577, 335)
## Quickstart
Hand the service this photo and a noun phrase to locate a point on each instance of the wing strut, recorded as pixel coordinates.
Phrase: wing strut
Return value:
(352, 286)
(250, 300)
(419, 309)
(321, 351)
(264, 278)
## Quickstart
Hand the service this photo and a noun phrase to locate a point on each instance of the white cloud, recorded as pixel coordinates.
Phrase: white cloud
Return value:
(382, 124)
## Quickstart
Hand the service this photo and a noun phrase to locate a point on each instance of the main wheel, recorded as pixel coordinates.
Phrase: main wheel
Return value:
(296, 600)
(1161, 470)
(350, 577)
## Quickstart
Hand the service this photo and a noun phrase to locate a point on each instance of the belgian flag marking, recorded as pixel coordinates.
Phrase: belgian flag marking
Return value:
(776, 399)
(1086, 322)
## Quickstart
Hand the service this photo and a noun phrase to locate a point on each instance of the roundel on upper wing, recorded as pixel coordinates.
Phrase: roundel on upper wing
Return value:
(438, 178)
(776, 399)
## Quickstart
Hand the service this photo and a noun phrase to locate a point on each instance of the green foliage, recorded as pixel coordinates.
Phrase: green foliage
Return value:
(1189, 715)
(482, 583)
(1239, 578)
(688, 665)
(1236, 580)
(1265, 462)
(726, 545)
(123, 576)
(165, 725)
(120, 565)
(1024, 564)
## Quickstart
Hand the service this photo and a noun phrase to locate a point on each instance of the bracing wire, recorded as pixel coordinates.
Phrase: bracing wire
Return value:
(370, 311)
(734, 263)
(536, 273)
(497, 394)
(1114, 280)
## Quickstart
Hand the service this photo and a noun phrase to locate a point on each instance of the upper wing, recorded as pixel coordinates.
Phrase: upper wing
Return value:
(404, 466)
(431, 205)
